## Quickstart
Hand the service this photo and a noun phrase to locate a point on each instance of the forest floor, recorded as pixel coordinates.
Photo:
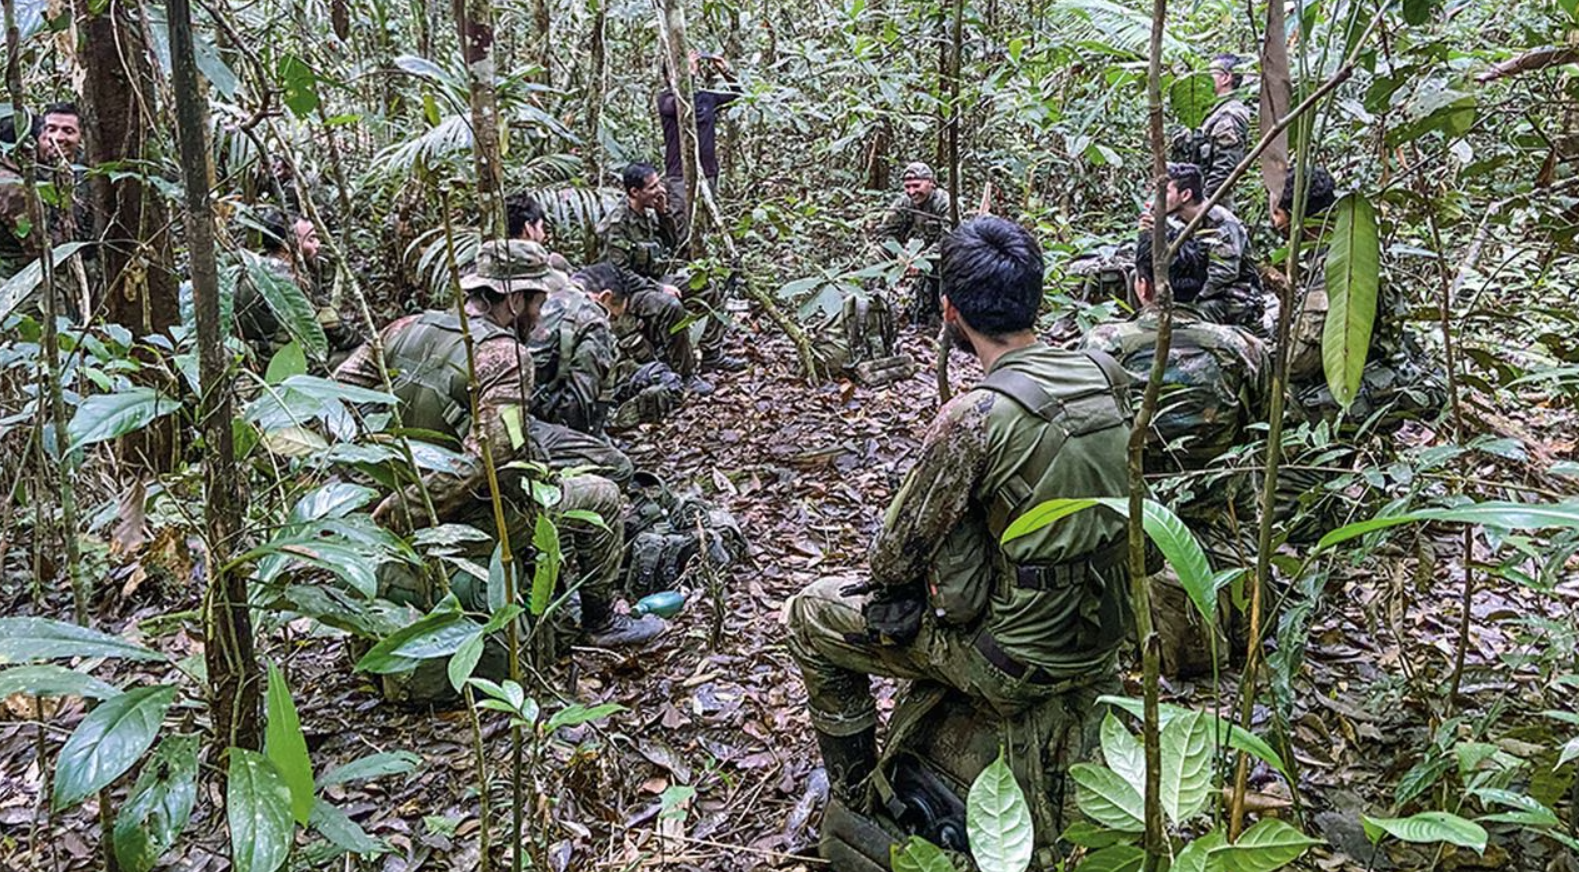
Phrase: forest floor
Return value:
(808, 472)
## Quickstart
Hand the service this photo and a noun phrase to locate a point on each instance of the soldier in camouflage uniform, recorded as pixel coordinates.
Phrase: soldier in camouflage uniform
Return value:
(641, 237)
(426, 356)
(1220, 143)
(1214, 389)
(260, 326)
(1012, 626)
(921, 211)
(56, 139)
(1233, 293)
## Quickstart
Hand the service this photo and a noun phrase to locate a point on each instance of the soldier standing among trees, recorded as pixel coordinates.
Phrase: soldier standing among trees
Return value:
(922, 210)
(1219, 144)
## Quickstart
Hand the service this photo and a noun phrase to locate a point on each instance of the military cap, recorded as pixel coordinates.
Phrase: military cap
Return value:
(917, 170)
(511, 266)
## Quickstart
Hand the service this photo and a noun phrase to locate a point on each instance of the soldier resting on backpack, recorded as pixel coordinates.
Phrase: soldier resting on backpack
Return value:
(1036, 620)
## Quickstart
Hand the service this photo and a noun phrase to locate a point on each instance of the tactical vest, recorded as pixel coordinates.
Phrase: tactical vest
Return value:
(1059, 604)
(428, 360)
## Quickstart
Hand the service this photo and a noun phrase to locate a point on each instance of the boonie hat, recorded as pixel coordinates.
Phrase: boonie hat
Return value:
(512, 266)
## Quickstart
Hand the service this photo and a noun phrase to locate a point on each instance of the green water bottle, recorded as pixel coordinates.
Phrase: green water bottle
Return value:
(664, 604)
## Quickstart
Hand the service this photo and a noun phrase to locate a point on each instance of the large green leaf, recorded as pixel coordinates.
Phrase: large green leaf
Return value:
(372, 766)
(1426, 827)
(445, 619)
(1124, 753)
(1186, 758)
(1043, 514)
(1197, 855)
(160, 804)
(1270, 844)
(1502, 515)
(1192, 97)
(918, 855)
(1108, 799)
(286, 747)
(102, 417)
(1118, 858)
(464, 662)
(998, 820)
(545, 572)
(108, 741)
(290, 306)
(47, 679)
(1353, 278)
(1238, 738)
(28, 279)
(30, 640)
(258, 809)
(345, 833)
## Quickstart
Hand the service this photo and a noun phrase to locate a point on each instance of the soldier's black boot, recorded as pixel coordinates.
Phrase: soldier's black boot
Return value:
(848, 760)
(601, 627)
(721, 362)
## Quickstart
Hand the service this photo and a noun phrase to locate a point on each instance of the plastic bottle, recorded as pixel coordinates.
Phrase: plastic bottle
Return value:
(664, 604)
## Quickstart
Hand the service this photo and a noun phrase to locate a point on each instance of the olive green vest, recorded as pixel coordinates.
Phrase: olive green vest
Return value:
(1059, 595)
(428, 364)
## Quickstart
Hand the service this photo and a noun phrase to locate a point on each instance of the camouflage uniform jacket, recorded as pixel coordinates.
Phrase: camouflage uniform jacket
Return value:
(1214, 388)
(905, 220)
(980, 466)
(427, 367)
(1224, 136)
(573, 351)
(1232, 294)
(642, 244)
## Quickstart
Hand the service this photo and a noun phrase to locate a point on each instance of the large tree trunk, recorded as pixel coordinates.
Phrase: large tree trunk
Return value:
(1276, 96)
(139, 284)
(474, 23)
(232, 664)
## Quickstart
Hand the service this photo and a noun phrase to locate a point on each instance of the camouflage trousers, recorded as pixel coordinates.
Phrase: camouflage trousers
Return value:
(566, 448)
(824, 624)
(651, 329)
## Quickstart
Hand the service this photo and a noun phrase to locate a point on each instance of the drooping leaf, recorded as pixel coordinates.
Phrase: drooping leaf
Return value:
(998, 820)
(1186, 779)
(346, 834)
(1238, 738)
(916, 854)
(160, 804)
(290, 305)
(1269, 845)
(1108, 799)
(258, 809)
(300, 84)
(576, 714)
(1502, 515)
(1043, 514)
(31, 277)
(108, 741)
(464, 661)
(286, 747)
(288, 361)
(47, 679)
(1192, 97)
(379, 765)
(382, 659)
(102, 417)
(1353, 272)
(545, 572)
(1427, 827)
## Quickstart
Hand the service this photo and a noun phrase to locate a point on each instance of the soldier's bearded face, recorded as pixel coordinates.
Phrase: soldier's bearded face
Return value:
(918, 190)
(307, 239)
(1175, 199)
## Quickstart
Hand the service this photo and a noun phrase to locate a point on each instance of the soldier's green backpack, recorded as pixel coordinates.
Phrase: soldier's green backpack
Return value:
(666, 533)
(860, 341)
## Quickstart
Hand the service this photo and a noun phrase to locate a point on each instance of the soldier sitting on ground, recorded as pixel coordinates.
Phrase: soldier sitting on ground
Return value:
(289, 246)
(1232, 294)
(426, 356)
(1214, 390)
(922, 210)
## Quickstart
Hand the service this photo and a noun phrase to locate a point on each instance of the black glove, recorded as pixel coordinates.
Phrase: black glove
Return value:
(893, 614)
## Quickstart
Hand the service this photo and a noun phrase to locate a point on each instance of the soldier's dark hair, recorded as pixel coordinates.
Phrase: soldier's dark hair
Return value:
(634, 177)
(1187, 177)
(1320, 193)
(62, 108)
(1229, 62)
(992, 273)
(604, 276)
(521, 210)
(274, 227)
(1187, 273)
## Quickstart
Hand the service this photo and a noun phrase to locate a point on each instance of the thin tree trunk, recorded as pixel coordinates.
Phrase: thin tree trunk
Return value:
(598, 51)
(956, 47)
(140, 288)
(232, 663)
(542, 55)
(672, 32)
(474, 24)
(1276, 97)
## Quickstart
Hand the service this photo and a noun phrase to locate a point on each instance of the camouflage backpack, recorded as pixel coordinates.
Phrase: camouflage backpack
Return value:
(861, 341)
(665, 532)
(647, 396)
(1104, 272)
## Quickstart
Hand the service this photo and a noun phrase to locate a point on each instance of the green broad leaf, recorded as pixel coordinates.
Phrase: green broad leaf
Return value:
(1124, 753)
(108, 741)
(1197, 855)
(380, 765)
(300, 85)
(333, 500)
(1527, 810)
(1418, 12)
(1089, 835)
(382, 659)
(344, 833)
(1043, 514)
(1117, 858)
(286, 362)
(1192, 98)
(464, 661)
(441, 640)
(585, 516)
(577, 714)
(1182, 550)
(159, 805)
(916, 854)
(448, 534)
(1238, 738)
(1570, 751)
(103, 417)
(290, 306)
(545, 571)
(1108, 799)
(1270, 844)
(30, 278)
(1187, 751)
(30, 640)
(1427, 827)
(1502, 515)
(47, 679)
(998, 820)
(1353, 272)
(258, 809)
(286, 747)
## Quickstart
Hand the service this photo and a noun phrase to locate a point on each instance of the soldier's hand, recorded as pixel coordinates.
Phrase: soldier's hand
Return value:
(1146, 219)
(661, 204)
(893, 614)
(672, 291)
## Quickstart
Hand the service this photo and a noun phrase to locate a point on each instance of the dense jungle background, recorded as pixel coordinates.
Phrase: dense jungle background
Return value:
(186, 574)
